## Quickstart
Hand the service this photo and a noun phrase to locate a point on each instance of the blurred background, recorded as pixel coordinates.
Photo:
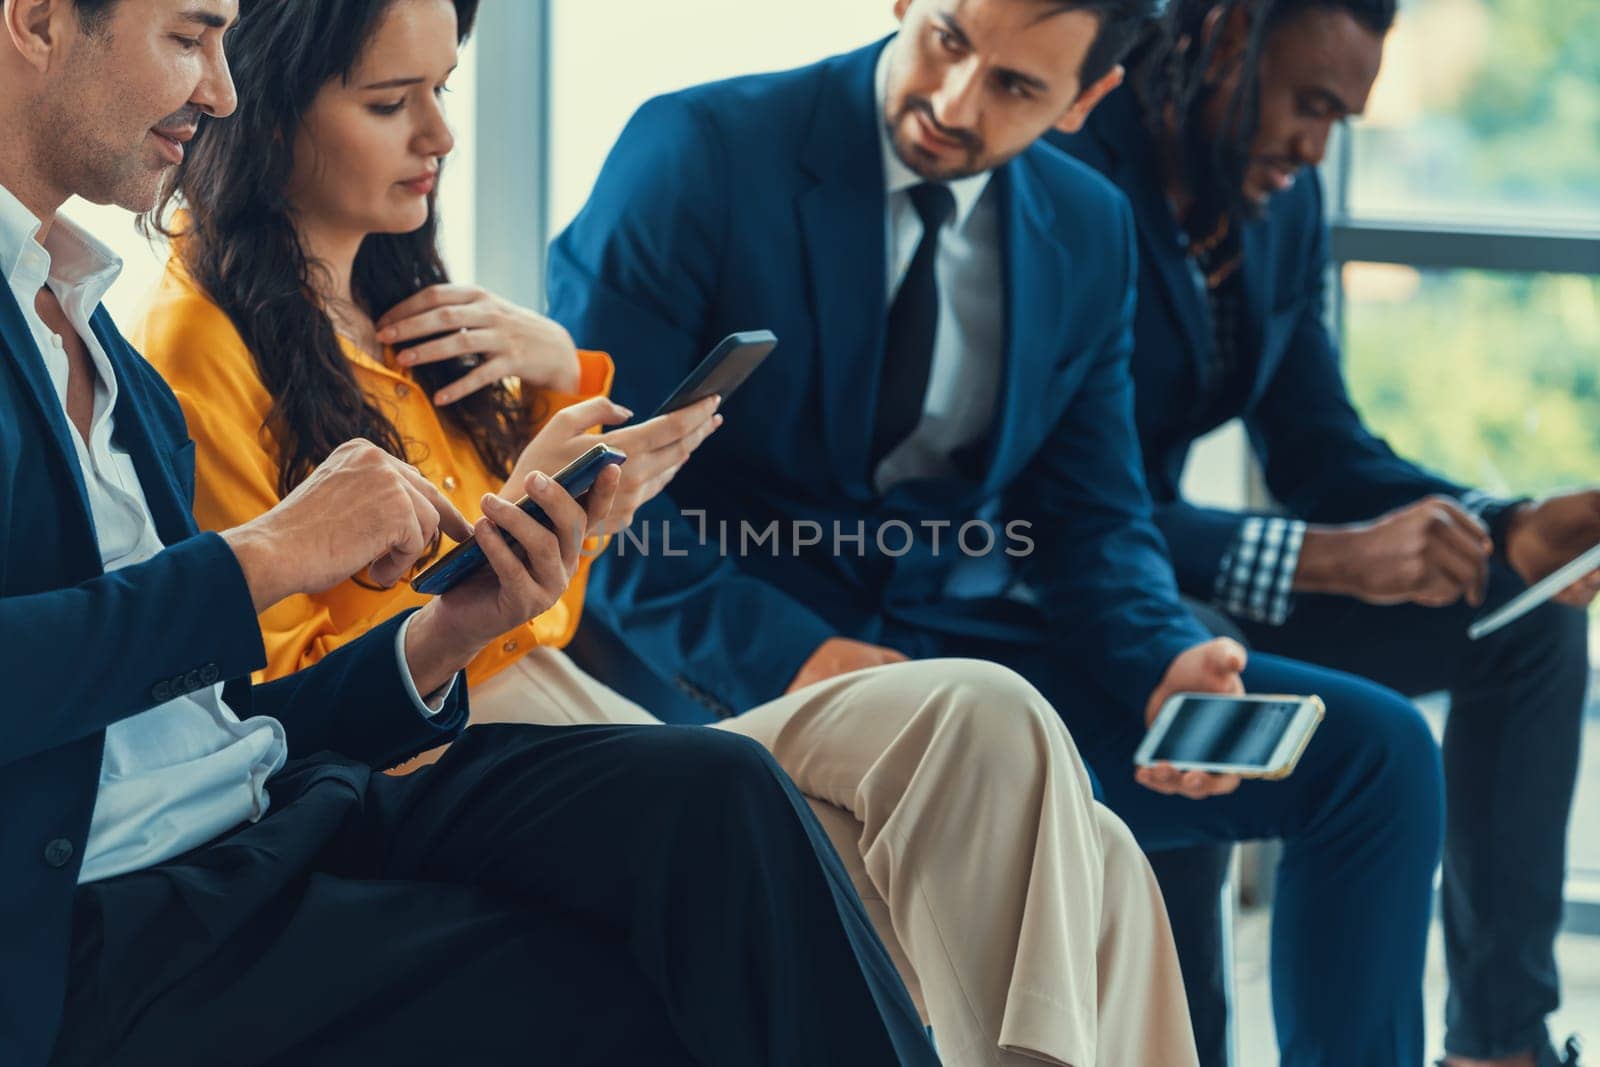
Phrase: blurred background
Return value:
(1466, 229)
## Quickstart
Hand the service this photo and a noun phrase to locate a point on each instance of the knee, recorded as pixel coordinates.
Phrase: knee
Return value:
(714, 766)
(1551, 642)
(997, 723)
(1405, 770)
(1554, 639)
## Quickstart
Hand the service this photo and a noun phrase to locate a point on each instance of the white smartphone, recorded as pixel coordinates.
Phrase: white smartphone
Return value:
(1252, 736)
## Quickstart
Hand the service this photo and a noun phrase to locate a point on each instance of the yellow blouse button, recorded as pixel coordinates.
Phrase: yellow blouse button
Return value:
(402, 390)
(450, 483)
(509, 646)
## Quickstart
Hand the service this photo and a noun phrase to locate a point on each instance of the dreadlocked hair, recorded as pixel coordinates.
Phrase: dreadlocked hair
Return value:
(1170, 66)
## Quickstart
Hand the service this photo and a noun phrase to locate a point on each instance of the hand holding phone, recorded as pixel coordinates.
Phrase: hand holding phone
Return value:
(467, 558)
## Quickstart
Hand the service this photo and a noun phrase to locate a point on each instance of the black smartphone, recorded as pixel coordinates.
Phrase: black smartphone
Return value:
(733, 360)
(466, 559)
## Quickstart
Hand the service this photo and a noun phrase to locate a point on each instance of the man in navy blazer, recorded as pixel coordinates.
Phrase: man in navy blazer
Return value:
(1375, 566)
(198, 871)
(1011, 522)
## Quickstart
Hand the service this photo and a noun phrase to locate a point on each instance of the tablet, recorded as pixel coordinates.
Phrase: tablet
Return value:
(1536, 594)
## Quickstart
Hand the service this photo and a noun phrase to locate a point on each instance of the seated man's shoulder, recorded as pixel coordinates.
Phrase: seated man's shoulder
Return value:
(1086, 205)
(751, 111)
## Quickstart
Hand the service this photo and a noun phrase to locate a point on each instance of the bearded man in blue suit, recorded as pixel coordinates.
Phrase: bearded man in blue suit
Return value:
(940, 458)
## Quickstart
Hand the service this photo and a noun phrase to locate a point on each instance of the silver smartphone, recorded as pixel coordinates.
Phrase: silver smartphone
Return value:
(1252, 736)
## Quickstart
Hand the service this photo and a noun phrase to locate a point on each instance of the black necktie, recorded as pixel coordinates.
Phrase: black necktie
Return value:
(913, 318)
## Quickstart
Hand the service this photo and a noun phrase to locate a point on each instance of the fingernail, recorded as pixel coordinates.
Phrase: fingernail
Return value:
(626, 412)
(386, 334)
(441, 397)
(541, 481)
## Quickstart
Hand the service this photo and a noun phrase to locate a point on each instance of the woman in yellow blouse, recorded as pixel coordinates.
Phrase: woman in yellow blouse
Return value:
(305, 304)
(473, 390)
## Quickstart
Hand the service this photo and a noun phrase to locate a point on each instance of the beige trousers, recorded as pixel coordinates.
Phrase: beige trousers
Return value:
(1020, 912)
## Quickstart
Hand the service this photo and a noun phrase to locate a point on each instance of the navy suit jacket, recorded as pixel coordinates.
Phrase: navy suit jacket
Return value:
(760, 203)
(81, 649)
(1321, 463)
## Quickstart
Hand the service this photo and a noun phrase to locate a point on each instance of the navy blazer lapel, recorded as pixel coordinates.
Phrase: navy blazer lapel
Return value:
(24, 353)
(1119, 128)
(166, 500)
(843, 220)
(1257, 275)
(1037, 271)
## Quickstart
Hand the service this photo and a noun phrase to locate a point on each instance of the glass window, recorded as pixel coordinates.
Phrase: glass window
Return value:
(1494, 380)
(600, 76)
(1486, 111)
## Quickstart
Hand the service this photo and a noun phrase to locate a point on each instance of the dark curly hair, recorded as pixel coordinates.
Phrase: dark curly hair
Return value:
(238, 242)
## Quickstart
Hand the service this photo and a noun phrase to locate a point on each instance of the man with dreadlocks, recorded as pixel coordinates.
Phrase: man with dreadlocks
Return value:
(1378, 565)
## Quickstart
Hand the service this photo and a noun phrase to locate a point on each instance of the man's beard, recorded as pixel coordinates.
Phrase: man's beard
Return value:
(974, 150)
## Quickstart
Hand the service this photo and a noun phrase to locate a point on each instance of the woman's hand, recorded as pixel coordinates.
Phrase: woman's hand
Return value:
(656, 449)
(513, 341)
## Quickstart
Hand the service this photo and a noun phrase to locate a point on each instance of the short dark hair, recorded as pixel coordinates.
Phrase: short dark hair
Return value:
(93, 14)
(1122, 22)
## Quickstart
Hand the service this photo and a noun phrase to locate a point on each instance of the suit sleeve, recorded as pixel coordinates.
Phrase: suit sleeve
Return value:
(1320, 460)
(1099, 564)
(77, 660)
(635, 275)
(354, 702)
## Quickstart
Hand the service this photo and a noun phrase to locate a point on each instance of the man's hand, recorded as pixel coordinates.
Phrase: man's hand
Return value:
(840, 655)
(1544, 536)
(1213, 667)
(530, 566)
(362, 508)
(1432, 553)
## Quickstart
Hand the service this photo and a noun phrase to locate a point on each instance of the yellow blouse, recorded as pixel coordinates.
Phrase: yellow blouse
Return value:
(196, 348)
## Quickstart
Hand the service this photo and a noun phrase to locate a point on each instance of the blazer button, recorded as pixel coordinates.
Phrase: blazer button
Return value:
(58, 853)
(161, 692)
(209, 674)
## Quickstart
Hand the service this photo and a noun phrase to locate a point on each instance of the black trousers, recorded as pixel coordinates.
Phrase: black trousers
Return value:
(1511, 746)
(545, 895)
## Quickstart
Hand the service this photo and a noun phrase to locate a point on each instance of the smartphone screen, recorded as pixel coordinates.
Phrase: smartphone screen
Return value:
(1226, 731)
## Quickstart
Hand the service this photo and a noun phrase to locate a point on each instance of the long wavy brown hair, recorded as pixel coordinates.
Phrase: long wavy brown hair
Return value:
(237, 240)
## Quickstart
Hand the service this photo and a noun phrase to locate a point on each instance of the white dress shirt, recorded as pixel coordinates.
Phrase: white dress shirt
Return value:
(179, 774)
(964, 380)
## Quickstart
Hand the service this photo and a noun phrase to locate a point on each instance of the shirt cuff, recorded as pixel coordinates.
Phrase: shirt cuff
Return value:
(1257, 572)
(433, 703)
